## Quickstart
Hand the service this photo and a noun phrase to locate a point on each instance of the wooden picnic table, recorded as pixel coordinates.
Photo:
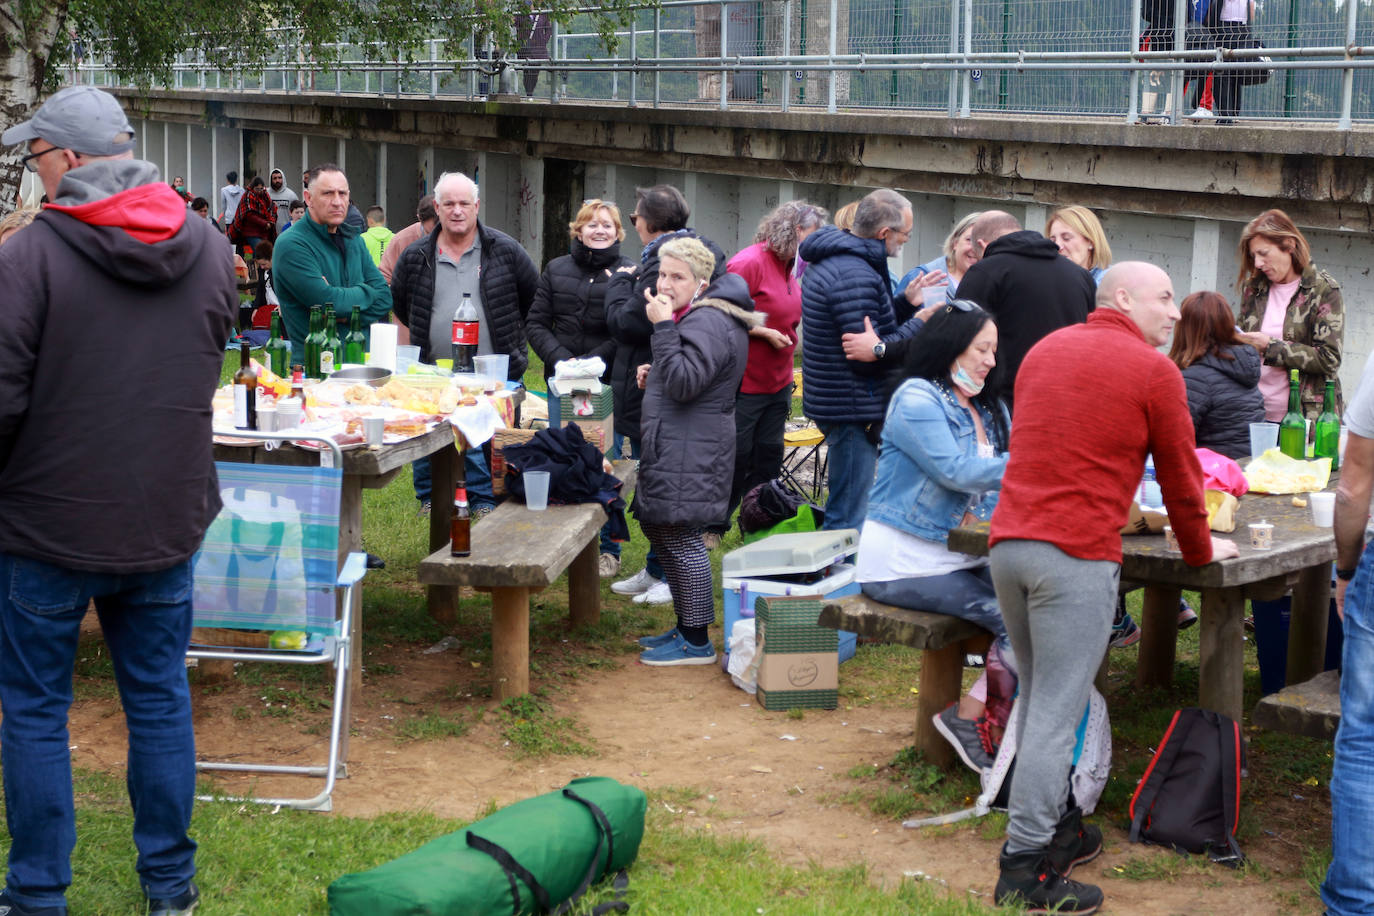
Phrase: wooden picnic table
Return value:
(1300, 562)
(516, 552)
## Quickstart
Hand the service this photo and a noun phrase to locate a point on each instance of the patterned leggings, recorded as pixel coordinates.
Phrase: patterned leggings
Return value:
(688, 569)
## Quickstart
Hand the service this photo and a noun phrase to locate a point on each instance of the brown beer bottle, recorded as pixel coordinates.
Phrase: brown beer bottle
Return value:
(460, 527)
(298, 382)
(245, 392)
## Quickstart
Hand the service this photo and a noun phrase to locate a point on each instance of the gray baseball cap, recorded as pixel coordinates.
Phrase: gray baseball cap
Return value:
(83, 119)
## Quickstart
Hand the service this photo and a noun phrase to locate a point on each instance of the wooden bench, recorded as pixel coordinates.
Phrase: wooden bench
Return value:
(516, 552)
(943, 641)
(1312, 708)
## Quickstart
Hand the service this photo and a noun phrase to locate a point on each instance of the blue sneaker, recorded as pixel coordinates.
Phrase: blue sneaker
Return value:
(12, 908)
(662, 639)
(678, 652)
(180, 905)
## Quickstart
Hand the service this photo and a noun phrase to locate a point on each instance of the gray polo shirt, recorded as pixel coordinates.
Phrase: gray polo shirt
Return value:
(452, 279)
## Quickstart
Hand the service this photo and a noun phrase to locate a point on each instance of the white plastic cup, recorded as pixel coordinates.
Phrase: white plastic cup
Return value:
(374, 428)
(1263, 437)
(382, 350)
(290, 414)
(493, 367)
(536, 490)
(1323, 508)
(935, 295)
(267, 419)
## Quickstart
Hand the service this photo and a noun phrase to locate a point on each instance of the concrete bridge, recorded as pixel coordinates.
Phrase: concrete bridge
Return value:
(1177, 196)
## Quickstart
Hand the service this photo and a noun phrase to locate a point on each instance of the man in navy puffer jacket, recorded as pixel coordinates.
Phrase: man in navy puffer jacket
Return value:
(846, 282)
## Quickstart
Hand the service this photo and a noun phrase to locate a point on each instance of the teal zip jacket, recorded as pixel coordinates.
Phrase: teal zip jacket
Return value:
(308, 269)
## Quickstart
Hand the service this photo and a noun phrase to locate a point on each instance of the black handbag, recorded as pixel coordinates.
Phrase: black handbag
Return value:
(1254, 76)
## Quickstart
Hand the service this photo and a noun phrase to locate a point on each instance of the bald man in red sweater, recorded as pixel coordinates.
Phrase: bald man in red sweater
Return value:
(1092, 400)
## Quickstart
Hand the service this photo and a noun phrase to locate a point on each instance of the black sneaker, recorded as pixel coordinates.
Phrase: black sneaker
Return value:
(1028, 880)
(1074, 842)
(963, 735)
(180, 905)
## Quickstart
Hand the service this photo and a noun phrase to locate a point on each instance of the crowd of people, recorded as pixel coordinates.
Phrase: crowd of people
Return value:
(1015, 377)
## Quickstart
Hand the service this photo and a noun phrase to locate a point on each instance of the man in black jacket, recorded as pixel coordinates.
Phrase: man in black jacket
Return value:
(116, 309)
(463, 256)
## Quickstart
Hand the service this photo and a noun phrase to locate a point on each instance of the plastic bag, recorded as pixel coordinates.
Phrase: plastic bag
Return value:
(1221, 511)
(1222, 473)
(1275, 472)
(743, 665)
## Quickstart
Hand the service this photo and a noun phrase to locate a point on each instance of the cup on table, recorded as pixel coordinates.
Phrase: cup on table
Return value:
(1263, 436)
(1170, 539)
(1323, 508)
(1261, 535)
(444, 364)
(935, 295)
(493, 368)
(267, 419)
(374, 428)
(536, 490)
(290, 414)
(382, 351)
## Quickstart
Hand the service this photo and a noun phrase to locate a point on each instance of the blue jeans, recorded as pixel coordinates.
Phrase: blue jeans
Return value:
(475, 471)
(146, 619)
(1349, 885)
(852, 459)
(967, 594)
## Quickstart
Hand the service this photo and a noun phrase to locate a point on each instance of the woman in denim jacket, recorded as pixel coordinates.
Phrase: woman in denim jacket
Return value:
(944, 449)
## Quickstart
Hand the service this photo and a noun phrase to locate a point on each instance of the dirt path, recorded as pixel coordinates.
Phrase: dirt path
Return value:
(760, 774)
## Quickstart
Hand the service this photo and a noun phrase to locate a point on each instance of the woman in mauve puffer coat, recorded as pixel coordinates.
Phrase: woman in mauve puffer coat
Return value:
(700, 345)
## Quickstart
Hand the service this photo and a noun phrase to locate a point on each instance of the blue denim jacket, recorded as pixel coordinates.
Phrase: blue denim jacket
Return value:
(929, 472)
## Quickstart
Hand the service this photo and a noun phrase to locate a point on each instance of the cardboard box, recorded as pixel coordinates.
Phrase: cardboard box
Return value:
(740, 595)
(799, 664)
(584, 405)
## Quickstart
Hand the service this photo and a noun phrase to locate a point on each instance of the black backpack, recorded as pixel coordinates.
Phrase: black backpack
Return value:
(1189, 797)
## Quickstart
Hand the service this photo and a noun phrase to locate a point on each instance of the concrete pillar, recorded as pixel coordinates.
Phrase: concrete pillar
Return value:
(381, 175)
(1035, 217)
(213, 196)
(529, 207)
(1206, 254)
(428, 172)
(340, 154)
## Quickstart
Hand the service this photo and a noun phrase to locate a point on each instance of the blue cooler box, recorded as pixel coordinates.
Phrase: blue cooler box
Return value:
(804, 563)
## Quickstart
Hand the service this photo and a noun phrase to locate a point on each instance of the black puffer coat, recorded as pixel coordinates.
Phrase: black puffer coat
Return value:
(568, 316)
(1224, 399)
(688, 427)
(508, 281)
(632, 330)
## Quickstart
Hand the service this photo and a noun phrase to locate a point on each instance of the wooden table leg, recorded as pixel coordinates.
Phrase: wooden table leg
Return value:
(1158, 638)
(510, 642)
(942, 672)
(584, 585)
(1221, 642)
(442, 599)
(351, 540)
(1307, 625)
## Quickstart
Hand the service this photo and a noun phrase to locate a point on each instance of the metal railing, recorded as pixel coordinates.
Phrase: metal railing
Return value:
(1070, 58)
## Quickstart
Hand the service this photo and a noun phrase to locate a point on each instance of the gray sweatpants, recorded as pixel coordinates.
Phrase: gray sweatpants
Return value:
(1058, 613)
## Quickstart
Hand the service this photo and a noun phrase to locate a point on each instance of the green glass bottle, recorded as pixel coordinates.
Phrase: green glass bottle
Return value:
(1293, 427)
(330, 345)
(313, 343)
(355, 344)
(279, 350)
(1327, 429)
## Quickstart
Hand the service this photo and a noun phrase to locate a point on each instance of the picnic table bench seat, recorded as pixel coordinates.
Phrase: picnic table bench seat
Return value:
(516, 552)
(1312, 708)
(943, 641)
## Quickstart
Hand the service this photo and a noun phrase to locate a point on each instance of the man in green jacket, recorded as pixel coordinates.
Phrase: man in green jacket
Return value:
(322, 260)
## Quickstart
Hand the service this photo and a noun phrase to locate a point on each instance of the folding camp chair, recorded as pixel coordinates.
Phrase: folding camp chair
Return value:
(804, 446)
(268, 586)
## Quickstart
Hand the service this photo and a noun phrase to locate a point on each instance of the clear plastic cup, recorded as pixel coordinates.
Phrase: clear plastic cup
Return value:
(1263, 436)
(1323, 508)
(493, 367)
(536, 490)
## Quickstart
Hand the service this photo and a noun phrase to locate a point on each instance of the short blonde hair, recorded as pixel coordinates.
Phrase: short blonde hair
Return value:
(844, 217)
(964, 225)
(1085, 223)
(15, 221)
(691, 252)
(588, 213)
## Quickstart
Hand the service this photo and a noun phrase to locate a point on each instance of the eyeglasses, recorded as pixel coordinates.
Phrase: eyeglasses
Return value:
(962, 305)
(634, 219)
(32, 166)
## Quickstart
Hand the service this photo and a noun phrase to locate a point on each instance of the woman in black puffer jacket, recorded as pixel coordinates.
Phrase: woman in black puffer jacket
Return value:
(1221, 372)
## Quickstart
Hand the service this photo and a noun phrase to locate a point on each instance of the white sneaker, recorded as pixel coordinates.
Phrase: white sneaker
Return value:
(658, 593)
(637, 584)
(1202, 114)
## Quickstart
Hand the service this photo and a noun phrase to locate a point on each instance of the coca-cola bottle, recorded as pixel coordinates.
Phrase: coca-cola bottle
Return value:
(466, 323)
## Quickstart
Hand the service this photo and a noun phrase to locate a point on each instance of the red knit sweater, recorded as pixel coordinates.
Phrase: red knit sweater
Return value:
(778, 297)
(1091, 401)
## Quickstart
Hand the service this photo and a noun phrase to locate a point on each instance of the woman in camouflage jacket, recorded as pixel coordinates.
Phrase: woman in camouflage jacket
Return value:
(1305, 333)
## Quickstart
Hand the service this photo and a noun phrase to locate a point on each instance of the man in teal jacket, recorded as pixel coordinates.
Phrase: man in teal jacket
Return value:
(322, 260)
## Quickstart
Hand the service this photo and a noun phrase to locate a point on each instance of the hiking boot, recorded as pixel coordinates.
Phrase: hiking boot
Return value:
(963, 735)
(1186, 615)
(10, 907)
(1074, 842)
(608, 565)
(662, 639)
(658, 593)
(1028, 880)
(1126, 633)
(678, 652)
(180, 905)
(637, 584)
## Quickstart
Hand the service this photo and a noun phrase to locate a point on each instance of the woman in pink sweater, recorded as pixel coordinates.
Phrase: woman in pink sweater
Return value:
(765, 395)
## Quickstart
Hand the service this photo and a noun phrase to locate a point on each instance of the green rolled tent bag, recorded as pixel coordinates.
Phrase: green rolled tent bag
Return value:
(535, 856)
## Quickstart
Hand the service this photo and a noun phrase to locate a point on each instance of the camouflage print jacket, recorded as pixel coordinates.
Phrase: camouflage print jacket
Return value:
(1313, 333)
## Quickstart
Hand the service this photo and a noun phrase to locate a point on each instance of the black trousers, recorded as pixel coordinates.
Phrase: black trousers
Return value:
(760, 421)
(1226, 88)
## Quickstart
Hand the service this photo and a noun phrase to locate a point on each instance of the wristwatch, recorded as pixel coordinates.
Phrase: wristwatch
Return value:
(1345, 575)
(879, 350)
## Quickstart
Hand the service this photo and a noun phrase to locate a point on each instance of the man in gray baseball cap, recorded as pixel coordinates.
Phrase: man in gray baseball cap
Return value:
(117, 307)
